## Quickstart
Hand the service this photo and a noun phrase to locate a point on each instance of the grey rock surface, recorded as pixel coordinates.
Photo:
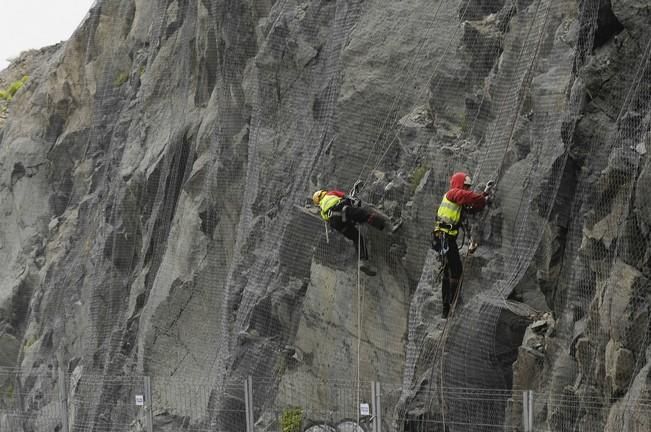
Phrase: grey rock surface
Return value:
(153, 164)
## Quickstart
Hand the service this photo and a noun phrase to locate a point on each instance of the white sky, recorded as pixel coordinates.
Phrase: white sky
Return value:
(27, 24)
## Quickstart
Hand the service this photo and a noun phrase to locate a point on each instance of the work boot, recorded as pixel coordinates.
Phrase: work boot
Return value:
(367, 268)
(396, 225)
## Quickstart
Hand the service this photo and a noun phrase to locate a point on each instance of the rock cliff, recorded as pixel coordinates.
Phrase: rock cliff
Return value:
(155, 164)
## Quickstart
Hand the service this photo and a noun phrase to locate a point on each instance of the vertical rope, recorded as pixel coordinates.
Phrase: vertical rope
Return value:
(359, 319)
(325, 225)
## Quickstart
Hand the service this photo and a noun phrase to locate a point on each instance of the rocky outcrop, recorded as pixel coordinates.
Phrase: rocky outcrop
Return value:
(154, 164)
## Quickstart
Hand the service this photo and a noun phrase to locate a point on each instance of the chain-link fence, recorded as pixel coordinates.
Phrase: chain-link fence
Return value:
(136, 403)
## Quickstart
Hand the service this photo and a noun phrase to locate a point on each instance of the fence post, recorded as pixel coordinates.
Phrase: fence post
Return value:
(248, 403)
(149, 417)
(373, 409)
(527, 410)
(63, 399)
(376, 406)
(530, 410)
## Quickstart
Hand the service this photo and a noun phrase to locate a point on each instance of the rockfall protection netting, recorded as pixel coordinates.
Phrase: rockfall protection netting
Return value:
(603, 288)
(486, 87)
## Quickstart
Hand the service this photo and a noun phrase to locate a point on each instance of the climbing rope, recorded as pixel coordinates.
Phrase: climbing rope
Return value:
(440, 348)
(401, 91)
(478, 170)
(359, 321)
(526, 78)
(394, 136)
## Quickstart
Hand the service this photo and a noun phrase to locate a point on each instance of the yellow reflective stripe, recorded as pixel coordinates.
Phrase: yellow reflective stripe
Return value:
(328, 202)
(449, 213)
(449, 205)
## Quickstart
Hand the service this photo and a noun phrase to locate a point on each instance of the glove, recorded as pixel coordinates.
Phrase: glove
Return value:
(354, 201)
(357, 187)
(489, 187)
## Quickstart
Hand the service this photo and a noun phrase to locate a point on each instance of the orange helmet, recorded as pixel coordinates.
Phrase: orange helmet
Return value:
(318, 196)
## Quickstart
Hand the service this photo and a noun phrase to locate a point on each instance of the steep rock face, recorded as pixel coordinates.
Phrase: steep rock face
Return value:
(601, 293)
(154, 163)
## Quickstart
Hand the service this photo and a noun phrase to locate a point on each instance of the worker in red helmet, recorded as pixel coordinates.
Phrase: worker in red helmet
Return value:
(343, 212)
(449, 217)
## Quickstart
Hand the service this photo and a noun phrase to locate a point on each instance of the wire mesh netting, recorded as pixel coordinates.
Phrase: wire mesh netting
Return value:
(201, 264)
(34, 409)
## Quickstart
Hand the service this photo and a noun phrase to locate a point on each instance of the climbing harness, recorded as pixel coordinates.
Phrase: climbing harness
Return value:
(440, 242)
(439, 238)
(338, 213)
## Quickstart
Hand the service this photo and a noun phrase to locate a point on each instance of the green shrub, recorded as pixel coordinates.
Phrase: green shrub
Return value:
(9, 93)
(121, 78)
(291, 420)
(14, 87)
(417, 176)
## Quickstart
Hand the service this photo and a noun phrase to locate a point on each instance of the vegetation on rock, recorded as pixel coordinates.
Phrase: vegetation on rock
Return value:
(291, 420)
(9, 93)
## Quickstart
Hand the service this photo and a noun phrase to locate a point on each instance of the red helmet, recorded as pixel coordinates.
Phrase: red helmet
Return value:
(460, 179)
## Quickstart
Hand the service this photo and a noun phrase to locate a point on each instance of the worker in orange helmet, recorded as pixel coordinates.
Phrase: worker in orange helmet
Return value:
(343, 212)
(457, 200)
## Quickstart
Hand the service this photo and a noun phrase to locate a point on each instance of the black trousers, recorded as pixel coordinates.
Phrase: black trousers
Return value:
(353, 216)
(452, 271)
